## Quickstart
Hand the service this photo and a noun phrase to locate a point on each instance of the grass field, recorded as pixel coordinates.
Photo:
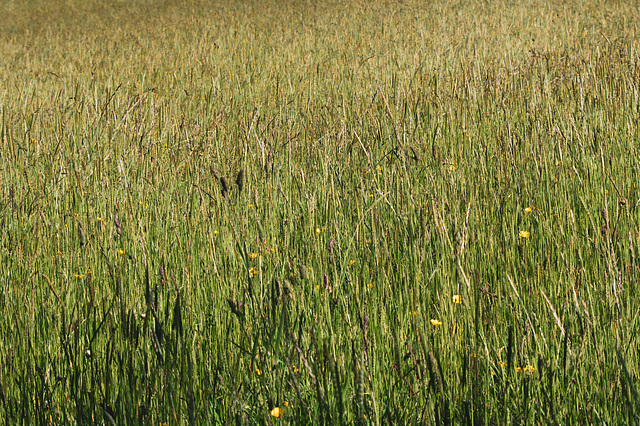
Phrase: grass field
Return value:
(266, 212)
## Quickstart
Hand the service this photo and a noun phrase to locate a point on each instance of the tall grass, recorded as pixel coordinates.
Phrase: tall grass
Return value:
(342, 213)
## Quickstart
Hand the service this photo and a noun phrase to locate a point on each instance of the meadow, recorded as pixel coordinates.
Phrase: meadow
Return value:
(342, 212)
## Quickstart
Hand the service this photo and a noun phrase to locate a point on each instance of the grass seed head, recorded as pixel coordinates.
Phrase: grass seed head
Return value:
(225, 187)
(240, 180)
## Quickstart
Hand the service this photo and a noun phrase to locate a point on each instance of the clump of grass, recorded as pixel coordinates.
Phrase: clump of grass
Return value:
(334, 214)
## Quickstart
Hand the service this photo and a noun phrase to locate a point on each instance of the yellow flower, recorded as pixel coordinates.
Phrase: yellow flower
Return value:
(436, 323)
(258, 371)
(318, 231)
(253, 255)
(452, 167)
(100, 219)
(351, 262)
(518, 369)
(277, 412)
(253, 271)
(457, 298)
(529, 209)
(120, 252)
(529, 369)
(524, 234)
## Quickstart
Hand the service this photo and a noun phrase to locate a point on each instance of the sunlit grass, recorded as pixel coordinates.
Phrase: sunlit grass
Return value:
(335, 213)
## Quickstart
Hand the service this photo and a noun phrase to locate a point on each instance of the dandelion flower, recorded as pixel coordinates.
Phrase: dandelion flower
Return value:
(524, 234)
(277, 412)
(457, 298)
(436, 323)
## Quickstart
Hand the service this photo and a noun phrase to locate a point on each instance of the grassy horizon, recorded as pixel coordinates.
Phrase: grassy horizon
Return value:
(354, 212)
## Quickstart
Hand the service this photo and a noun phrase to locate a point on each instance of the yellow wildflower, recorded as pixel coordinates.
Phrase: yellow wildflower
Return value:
(529, 369)
(253, 271)
(436, 323)
(457, 298)
(524, 234)
(318, 231)
(351, 262)
(258, 371)
(253, 255)
(277, 412)
(529, 209)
